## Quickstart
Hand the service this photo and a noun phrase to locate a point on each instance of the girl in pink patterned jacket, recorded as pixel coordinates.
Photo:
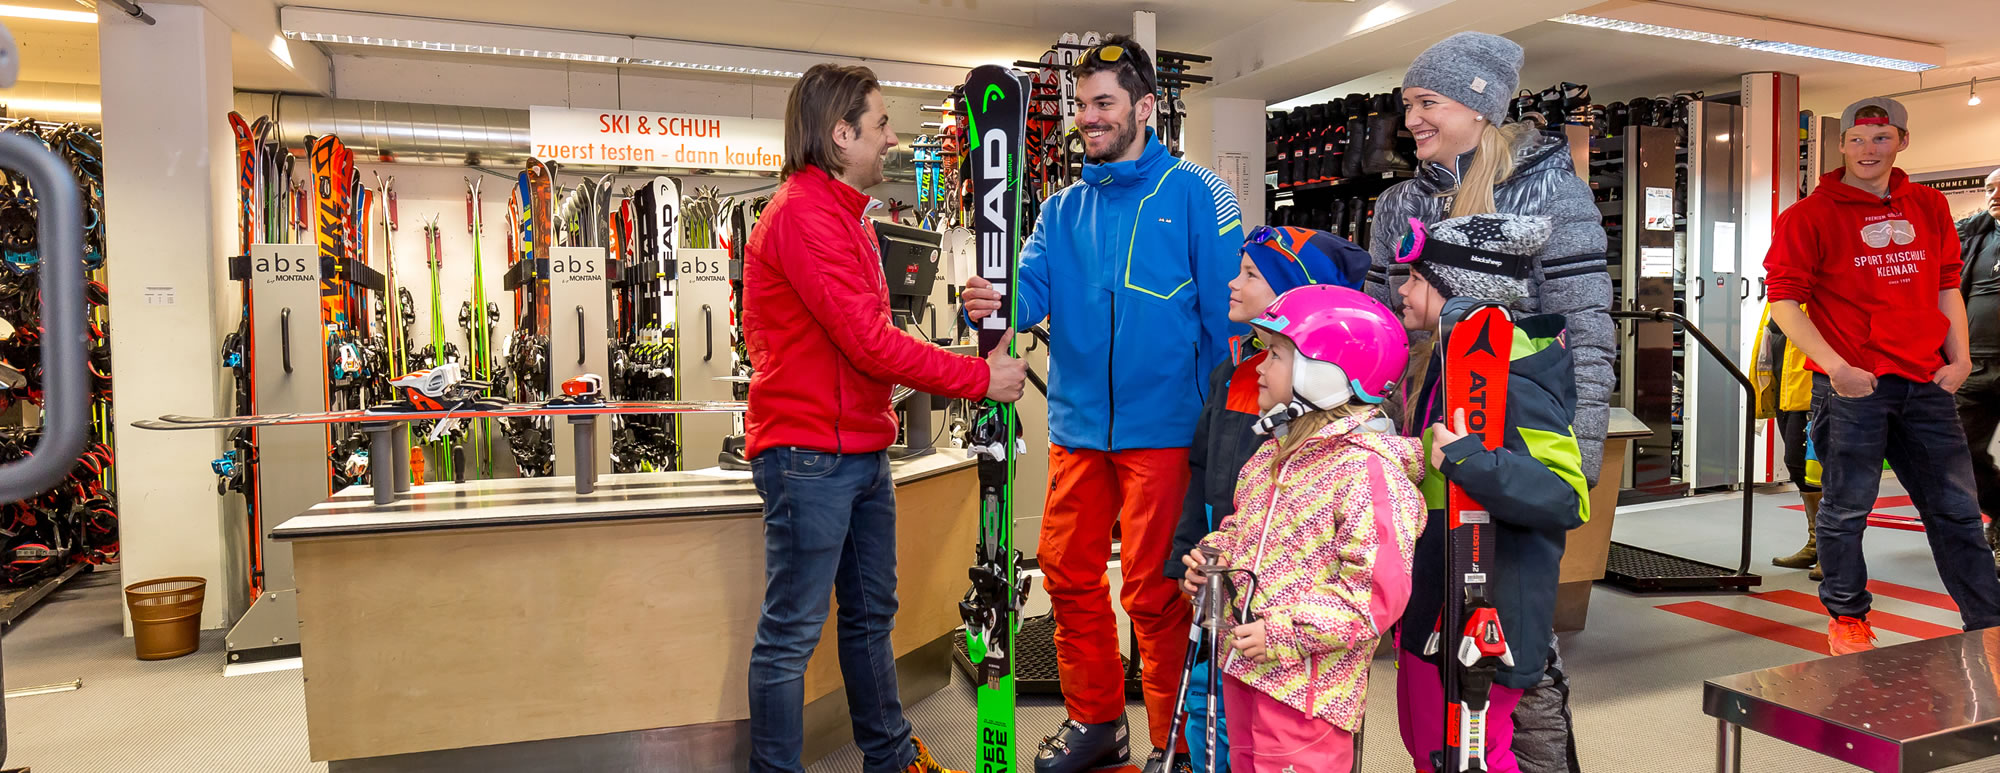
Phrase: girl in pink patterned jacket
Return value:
(1327, 518)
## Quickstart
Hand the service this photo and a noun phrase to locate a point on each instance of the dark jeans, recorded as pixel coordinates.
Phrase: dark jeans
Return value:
(1913, 425)
(1979, 414)
(829, 526)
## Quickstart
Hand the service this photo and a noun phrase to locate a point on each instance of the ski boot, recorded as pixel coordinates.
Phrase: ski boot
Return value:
(1809, 555)
(1156, 763)
(1356, 109)
(1079, 747)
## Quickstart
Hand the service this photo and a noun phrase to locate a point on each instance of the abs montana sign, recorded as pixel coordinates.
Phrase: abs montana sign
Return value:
(640, 138)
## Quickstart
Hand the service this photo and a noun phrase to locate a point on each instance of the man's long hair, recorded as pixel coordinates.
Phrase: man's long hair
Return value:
(826, 96)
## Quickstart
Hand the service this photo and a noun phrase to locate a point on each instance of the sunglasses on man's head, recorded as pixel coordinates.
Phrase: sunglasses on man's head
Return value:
(1110, 54)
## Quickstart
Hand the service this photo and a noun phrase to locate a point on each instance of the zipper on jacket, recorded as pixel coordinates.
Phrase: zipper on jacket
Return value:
(1111, 378)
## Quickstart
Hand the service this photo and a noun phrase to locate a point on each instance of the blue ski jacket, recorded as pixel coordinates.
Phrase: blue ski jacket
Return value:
(1131, 267)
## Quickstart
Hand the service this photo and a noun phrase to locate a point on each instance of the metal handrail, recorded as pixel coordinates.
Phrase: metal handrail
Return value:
(1749, 414)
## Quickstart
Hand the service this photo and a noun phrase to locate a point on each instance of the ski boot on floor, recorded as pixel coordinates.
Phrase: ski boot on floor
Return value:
(1079, 747)
(1809, 555)
(924, 763)
(1156, 763)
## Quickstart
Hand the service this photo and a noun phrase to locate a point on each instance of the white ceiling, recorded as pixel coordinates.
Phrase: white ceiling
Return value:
(953, 32)
(1622, 65)
(55, 51)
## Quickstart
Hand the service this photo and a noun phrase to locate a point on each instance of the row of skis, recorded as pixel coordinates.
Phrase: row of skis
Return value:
(374, 336)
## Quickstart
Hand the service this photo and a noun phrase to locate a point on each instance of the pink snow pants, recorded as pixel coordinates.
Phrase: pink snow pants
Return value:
(1267, 736)
(1420, 715)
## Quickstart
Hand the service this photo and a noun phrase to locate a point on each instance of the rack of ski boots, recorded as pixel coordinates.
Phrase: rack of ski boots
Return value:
(76, 523)
(1332, 160)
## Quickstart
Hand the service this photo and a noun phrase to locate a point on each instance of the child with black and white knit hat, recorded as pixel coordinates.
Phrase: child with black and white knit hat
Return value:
(1480, 256)
(1533, 486)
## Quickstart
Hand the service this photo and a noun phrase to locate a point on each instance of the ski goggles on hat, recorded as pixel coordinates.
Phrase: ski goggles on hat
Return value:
(1284, 240)
(1417, 246)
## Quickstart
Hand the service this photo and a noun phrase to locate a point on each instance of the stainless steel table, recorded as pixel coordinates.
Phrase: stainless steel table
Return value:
(1903, 709)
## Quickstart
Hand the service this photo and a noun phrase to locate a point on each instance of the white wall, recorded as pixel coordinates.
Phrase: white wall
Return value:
(1945, 133)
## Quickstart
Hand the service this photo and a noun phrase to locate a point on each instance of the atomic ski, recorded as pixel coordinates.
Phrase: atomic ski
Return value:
(996, 106)
(1478, 342)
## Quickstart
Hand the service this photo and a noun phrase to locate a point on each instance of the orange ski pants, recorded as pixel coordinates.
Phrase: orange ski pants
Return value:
(1140, 489)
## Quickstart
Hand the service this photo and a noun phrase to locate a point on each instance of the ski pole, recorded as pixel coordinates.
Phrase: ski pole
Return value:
(1187, 672)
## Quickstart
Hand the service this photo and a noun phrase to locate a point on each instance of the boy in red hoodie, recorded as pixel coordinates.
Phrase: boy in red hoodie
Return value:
(1877, 258)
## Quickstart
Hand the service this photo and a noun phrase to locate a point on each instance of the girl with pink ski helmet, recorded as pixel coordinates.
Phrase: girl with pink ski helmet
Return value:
(1351, 348)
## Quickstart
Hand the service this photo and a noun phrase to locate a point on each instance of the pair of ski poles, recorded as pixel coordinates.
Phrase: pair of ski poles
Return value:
(1212, 622)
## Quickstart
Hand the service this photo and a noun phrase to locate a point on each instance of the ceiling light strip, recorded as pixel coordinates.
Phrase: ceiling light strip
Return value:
(1751, 44)
(47, 14)
(468, 48)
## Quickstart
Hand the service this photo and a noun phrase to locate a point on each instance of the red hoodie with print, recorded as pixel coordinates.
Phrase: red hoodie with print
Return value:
(1870, 269)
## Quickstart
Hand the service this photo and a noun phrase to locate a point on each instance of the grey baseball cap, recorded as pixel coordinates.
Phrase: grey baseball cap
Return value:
(1898, 117)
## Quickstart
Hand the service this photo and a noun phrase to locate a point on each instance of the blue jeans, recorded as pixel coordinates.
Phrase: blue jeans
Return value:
(1915, 426)
(829, 528)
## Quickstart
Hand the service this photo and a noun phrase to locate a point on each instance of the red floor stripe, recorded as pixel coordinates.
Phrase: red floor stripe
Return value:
(1893, 623)
(1929, 598)
(1743, 622)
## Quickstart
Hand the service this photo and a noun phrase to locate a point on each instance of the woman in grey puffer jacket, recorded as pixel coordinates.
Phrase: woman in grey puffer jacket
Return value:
(1456, 95)
(1570, 276)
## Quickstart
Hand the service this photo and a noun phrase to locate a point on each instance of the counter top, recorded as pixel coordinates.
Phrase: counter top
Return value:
(1624, 424)
(553, 500)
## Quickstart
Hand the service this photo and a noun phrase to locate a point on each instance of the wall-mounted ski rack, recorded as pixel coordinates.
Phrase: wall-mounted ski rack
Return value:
(355, 271)
(523, 272)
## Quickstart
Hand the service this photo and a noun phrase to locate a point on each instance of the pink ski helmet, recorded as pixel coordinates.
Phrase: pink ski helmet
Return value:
(1351, 346)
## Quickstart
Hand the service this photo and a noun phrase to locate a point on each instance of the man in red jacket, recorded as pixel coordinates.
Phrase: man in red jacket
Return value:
(816, 318)
(1877, 258)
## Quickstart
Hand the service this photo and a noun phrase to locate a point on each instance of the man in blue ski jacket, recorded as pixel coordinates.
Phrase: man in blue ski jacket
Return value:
(1131, 267)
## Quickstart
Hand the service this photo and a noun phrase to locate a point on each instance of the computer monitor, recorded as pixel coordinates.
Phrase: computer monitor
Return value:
(910, 265)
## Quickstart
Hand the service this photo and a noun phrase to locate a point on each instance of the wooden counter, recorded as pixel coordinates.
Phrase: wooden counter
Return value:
(506, 611)
(1589, 544)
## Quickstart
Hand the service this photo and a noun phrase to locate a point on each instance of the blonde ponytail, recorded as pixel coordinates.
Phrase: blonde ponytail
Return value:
(1492, 163)
(1303, 427)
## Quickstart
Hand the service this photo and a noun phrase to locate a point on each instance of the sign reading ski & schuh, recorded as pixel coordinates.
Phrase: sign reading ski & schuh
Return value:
(637, 138)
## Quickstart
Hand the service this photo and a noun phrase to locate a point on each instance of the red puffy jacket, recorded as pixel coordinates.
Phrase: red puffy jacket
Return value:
(816, 318)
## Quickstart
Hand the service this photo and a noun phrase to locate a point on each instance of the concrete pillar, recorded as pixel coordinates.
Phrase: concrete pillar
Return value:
(168, 191)
(1227, 135)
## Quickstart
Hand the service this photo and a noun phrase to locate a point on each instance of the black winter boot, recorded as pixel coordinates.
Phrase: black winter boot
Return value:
(1384, 119)
(1357, 135)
